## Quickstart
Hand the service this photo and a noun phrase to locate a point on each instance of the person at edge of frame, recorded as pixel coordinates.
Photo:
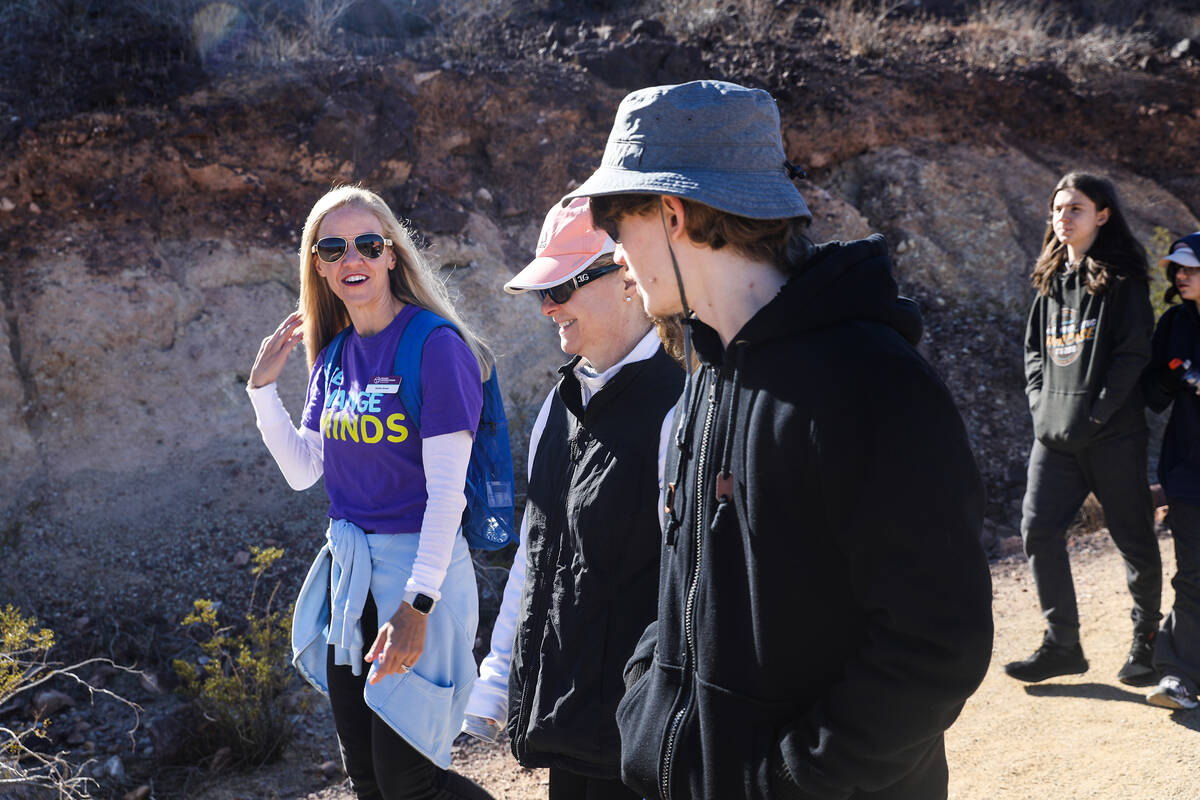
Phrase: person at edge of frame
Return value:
(1087, 342)
(394, 585)
(584, 582)
(1174, 351)
(824, 605)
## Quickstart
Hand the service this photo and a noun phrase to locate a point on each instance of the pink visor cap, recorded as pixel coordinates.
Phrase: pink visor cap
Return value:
(568, 245)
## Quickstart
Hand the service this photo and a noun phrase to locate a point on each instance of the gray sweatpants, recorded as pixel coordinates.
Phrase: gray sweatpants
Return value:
(1177, 649)
(1115, 471)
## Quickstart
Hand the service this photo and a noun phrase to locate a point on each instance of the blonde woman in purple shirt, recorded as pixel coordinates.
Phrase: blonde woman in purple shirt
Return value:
(393, 587)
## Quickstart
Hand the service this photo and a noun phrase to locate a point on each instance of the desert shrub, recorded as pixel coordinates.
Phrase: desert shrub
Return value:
(858, 27)
(751, 19)
(1156, 248)
(1004, 32)
(242, 676)
(24, 666)
(292, 31)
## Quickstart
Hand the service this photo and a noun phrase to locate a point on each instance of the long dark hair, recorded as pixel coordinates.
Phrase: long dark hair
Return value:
(1116, 253)
(1172, 291)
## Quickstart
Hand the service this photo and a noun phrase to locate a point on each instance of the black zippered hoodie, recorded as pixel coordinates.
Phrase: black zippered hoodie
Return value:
(824, 604)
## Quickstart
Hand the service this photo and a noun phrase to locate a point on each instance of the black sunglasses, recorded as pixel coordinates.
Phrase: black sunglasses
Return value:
(609, 227)
(562, 292)
(332, 248)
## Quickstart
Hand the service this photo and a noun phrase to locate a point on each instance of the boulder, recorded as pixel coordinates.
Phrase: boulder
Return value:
(50, 701)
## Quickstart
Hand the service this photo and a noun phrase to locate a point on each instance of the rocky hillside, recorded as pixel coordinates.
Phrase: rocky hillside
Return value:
(147, 243)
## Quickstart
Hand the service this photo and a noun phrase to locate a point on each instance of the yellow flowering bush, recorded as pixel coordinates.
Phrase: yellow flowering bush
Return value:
(242, 677)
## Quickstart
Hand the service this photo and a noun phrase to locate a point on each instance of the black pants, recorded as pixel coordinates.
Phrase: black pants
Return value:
(1115, 471)
(380, 763)
(566, 785)
(1177, 648)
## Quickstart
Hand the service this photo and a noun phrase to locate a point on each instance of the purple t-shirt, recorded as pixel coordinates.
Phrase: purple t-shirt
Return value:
(372, 452)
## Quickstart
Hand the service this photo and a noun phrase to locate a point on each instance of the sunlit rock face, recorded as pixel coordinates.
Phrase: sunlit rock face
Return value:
(145, 253)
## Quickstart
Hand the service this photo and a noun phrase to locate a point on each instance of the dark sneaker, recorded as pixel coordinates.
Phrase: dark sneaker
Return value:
(1049, 661)
(1139, 669)
(1171, 693)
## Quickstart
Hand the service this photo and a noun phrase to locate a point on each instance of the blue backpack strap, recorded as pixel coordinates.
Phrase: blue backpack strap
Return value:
(488, 518)
(407, 364)
(333, 357)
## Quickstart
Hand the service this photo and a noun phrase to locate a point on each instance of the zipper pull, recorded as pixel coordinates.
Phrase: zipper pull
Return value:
(672, 530)
(723, 489)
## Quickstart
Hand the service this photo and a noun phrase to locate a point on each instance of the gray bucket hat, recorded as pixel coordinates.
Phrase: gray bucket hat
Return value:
(713, 142)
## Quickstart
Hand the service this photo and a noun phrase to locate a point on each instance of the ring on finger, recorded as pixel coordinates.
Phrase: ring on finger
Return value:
(405, 667)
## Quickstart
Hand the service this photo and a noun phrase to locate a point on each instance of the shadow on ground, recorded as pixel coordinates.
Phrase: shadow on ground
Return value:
(1100, 691)
(1188, 719)
(1090, 691)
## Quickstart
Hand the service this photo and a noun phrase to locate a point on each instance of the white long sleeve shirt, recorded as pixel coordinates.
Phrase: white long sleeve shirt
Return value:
(299, 454)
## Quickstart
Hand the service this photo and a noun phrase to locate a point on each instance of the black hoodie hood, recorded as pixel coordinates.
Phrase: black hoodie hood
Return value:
(841, 281)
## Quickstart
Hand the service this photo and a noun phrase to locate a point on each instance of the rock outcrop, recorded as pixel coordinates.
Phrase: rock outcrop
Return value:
(162, 250)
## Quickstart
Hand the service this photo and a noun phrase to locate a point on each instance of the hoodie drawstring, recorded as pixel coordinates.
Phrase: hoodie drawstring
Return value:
(683, 440)
(724, 485)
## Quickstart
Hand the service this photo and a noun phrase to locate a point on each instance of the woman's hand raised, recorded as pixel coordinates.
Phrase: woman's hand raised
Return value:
(275, 349)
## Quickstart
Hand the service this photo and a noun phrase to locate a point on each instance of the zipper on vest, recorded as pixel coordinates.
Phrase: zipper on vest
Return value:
(690, 605)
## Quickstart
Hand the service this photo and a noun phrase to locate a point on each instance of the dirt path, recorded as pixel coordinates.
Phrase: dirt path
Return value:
(1086, 737)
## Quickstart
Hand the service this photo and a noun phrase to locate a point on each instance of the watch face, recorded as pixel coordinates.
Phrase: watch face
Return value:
(423, 603)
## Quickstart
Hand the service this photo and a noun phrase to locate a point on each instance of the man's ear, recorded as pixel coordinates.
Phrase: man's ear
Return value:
(674, 216)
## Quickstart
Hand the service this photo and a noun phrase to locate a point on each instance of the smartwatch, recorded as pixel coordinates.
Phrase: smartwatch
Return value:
(422, 603)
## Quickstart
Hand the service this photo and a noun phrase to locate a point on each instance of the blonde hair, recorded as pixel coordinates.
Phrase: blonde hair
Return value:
(412, 281)
(670, 333)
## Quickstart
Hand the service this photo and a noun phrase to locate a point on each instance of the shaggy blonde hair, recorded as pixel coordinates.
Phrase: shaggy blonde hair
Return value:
(413, 281)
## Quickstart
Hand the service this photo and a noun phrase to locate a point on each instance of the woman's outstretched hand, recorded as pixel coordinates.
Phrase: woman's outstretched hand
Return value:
(398, 644)
(275, 349)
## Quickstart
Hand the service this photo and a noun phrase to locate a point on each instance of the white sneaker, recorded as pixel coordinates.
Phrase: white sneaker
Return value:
(1171, 693)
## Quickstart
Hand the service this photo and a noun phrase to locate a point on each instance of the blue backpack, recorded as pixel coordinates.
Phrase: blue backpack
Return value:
(488, 519)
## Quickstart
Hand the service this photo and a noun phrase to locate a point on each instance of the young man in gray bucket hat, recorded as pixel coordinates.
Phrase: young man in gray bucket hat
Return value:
(824, 605)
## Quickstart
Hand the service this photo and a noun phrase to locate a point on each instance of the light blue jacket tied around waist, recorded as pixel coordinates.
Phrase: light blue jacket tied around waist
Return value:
(426, 704)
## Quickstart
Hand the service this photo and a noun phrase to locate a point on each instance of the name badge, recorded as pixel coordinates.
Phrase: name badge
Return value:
(384, 384)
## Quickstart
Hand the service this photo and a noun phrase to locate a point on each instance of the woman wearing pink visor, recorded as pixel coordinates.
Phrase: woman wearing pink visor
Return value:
(584, 582)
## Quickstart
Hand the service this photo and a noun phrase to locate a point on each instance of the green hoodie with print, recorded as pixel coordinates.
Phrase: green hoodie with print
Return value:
(1084, 356)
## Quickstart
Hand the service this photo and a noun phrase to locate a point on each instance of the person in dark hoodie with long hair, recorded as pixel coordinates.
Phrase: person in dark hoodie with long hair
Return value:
(824, 604)
(1174, 351)
(1086, 344)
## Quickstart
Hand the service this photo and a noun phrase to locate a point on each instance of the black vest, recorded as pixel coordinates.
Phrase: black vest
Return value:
(591, 583)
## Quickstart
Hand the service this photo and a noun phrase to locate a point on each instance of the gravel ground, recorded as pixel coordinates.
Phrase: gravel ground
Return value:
(1083, 737)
